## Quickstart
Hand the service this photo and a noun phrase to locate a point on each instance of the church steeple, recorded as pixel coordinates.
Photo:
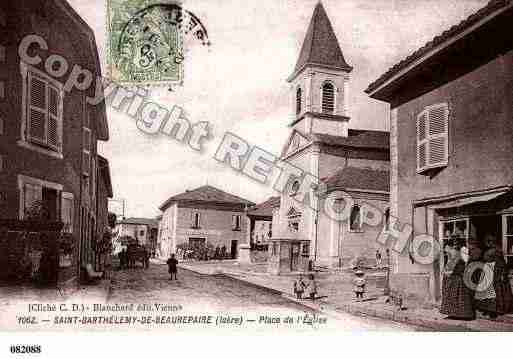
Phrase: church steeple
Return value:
(321, 46)
(320, 81)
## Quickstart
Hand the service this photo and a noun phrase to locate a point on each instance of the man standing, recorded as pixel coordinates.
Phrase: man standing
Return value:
(378, 259)
(172, 266)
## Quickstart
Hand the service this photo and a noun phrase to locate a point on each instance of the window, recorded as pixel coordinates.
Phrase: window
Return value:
(298, 100)
(43, 103)
(306, 249)
(355, 220)
(452, 232)
(387, 219)
(507, 237)
(141, 233)
(196, 220)
(86, 152)
(432, 137)
(236, 222)
(39, 200)
(328, 98)
(67, 210)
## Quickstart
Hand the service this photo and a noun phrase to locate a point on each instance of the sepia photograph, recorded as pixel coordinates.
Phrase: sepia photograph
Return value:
(224, 166)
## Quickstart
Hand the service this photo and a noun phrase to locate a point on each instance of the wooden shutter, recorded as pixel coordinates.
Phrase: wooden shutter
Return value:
(299, 101)
(37, 110)
(67, 212)
(433, 137)
(422, 141)
(328, 98)
(53, 117)
(438, 135)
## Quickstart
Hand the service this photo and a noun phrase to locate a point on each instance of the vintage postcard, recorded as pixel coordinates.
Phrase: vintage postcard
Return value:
(294, 166)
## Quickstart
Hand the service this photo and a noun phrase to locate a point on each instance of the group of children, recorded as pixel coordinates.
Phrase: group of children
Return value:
(300, 286)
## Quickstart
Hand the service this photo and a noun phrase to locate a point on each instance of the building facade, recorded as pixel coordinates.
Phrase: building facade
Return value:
(203, 216)
(48, 131)
(452, 148)
(322, 145)
(143, 230)
(103, 245)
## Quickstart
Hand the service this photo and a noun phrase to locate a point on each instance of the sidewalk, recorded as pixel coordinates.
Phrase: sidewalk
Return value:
(337, 296)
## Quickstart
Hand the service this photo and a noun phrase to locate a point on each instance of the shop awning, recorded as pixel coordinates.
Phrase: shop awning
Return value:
(462, 201)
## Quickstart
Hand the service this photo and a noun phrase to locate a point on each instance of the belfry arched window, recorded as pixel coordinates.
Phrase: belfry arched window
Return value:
(299, 100)
(328, 98)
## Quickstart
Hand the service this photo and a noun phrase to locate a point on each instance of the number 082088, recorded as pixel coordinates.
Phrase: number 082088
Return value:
(25, 349)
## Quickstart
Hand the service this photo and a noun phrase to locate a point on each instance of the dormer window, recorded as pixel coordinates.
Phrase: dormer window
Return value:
(299, 100)
(328, 98)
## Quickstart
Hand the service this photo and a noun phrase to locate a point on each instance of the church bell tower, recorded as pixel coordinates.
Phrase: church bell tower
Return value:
(319, 83)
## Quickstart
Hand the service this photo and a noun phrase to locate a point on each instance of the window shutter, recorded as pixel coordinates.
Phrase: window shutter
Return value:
(438, 135)
(328, 98)
(86, 162)
(37, 110)
(67, 213)
(53, 117)
(298, 101)
(422, 141)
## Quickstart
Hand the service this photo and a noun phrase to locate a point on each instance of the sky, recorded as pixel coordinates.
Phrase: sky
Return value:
(238, 84)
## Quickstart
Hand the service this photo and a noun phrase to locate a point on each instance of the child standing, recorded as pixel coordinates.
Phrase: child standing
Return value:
(312, 287)
(299, 287)
(359, 284)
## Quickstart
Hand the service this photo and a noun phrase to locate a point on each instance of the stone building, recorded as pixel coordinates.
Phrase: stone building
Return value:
(323, 145)
(451, 144)
(205, 215)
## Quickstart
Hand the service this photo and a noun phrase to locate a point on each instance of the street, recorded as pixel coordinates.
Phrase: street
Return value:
(220, 295)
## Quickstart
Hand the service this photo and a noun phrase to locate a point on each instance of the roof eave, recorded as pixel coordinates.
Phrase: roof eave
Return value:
(380, 89)
(297, 72)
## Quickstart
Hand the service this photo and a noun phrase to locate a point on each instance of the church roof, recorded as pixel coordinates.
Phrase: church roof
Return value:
(321, 46)
(206, 194)
(356, 138)
(359, 178)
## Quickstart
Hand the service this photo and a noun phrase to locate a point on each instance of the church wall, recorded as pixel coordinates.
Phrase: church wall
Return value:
(337, 245)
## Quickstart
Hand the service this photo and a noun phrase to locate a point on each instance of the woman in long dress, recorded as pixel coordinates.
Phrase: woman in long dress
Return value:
(502, 286)
(457, 298)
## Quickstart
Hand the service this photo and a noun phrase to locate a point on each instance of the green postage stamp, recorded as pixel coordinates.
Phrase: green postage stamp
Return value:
(146, 41)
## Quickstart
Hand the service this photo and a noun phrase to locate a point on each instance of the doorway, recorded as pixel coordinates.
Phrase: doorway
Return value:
(294, 256)
(234, 249)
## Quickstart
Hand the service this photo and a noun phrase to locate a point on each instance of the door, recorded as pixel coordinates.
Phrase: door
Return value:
(294, 256)
(234, 249)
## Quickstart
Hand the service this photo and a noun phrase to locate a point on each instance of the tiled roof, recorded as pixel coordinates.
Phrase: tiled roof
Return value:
(142, 221)
(356, 138)
(321, 46)
(491, 7)
(265, 209)
(359, 178)
(206, 194)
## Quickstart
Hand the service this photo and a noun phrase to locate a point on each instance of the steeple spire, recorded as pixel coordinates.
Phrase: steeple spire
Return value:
(321, 47)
